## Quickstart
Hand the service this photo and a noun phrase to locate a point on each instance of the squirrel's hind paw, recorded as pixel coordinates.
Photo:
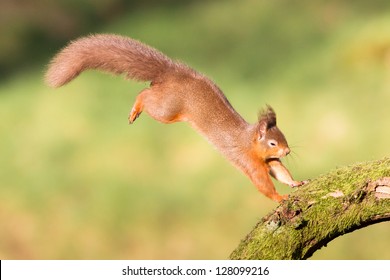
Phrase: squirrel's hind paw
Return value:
(134, 114)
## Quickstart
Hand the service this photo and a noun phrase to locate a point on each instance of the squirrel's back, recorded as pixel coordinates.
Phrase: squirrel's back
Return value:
(110, 53)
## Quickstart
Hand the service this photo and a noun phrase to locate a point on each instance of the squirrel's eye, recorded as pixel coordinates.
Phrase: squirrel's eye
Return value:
(272, 143)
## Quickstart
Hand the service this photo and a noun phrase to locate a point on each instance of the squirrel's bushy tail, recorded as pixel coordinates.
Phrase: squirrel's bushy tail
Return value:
(109, 53)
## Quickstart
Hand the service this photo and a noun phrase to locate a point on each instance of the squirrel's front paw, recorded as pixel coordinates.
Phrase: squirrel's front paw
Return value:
(299, 183)
(279, 198)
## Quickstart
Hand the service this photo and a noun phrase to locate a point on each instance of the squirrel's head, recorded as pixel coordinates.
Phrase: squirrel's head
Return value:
(270, 141)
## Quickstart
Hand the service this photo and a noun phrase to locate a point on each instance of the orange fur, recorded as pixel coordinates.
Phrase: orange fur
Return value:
(179, 93)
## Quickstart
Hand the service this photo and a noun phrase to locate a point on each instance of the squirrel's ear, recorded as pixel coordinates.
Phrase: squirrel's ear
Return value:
(262, 128)
(267, 120)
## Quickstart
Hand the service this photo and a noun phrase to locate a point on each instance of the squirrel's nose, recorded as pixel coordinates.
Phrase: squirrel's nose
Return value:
(287, 151)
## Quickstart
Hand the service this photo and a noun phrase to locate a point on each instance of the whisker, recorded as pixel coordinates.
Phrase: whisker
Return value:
(293, 155)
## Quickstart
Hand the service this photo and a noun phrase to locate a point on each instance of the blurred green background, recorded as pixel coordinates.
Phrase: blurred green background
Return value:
(77, 182)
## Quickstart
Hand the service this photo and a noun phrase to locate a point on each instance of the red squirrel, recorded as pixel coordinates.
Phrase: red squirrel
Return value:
(179, 93)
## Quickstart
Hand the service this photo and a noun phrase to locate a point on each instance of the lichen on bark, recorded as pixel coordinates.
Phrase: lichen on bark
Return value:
(344, 200)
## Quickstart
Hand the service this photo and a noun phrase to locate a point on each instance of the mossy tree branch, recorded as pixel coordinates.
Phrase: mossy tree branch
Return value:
(340, 202)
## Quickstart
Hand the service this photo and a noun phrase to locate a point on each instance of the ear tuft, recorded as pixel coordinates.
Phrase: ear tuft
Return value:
(268, 116)
(267, 120)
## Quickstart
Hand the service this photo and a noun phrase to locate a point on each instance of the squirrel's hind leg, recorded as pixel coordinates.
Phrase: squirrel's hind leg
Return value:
(137, 107)
(158, 104)
(135, 112)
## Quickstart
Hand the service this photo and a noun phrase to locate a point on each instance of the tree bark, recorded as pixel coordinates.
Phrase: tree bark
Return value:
(331, 205)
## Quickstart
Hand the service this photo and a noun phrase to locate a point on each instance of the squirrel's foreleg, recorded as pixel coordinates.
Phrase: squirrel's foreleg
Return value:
(280, 173)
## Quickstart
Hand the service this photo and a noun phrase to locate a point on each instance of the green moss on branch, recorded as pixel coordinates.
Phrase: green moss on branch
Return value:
(334, 204)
